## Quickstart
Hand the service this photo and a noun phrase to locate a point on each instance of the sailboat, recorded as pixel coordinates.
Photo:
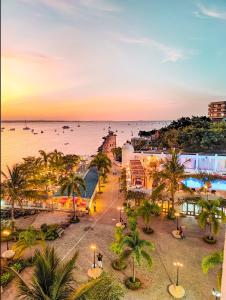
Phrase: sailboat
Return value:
(26, 127)
(78, 124)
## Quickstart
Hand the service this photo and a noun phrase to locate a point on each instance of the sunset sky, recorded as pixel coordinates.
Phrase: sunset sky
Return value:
(112, 60)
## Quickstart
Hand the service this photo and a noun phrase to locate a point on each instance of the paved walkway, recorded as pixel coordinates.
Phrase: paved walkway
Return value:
(98, 229)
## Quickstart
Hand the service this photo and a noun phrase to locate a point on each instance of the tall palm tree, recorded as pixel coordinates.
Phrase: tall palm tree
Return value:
(45, 158)
(134, 247)
(73, 185)
(13, 187)
(171, 177)
(103, 165)
(54, 280)
(212, 261)
(146, 211)
(209, 216)
(27, 240)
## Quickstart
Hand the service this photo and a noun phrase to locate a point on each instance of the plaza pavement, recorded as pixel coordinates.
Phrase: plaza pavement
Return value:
(98, 229)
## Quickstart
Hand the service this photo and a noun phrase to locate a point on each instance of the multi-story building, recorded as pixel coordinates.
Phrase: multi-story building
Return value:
(217, 111)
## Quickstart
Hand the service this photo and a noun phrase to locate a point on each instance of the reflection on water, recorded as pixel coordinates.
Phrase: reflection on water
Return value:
(84, 139)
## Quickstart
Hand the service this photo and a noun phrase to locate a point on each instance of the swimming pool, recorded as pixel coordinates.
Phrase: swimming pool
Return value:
(91, 180)
(217, 185)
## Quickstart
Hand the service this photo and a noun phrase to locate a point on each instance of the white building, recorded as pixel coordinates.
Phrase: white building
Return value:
(194, 163)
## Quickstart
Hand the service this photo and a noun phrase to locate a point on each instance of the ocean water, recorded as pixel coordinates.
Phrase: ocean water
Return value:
(83, 140)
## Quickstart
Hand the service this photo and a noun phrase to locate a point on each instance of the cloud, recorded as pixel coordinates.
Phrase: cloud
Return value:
(30, 56)
(204, 11)
(170, 54)
(72, 6)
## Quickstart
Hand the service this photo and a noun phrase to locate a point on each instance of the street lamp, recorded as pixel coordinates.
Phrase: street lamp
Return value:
(177, 214)
(120, 213)
(93, 247)
(216, 293)
(178, 265)
(6, 234)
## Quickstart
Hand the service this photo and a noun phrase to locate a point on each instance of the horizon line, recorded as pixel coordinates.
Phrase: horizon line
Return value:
(36, 120)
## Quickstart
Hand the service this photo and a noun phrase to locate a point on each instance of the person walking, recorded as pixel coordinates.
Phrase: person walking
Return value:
(100, 260)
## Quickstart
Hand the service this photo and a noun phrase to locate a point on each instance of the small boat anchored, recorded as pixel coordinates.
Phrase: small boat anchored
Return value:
(66, 127)
(26, 127)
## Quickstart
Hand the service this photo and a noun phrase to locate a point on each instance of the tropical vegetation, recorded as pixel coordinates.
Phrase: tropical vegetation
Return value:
(137, 249)
(53, 279)
(72, 185)
(211, 216)
(103, 165)
(146, 211)
(170, 179)
(196, 134)
(214, 261)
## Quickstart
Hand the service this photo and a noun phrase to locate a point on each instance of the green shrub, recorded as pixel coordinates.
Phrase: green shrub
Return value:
(132, 285)
(209, 240)
(51, 235)
(6, 278)
(44, 227)
(18, 266)
(148, 230)
(118, 265)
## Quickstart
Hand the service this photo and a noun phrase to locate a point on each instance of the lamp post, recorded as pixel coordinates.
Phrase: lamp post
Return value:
(176, 290)
(216, 293)
(178, 265)
(93, 247)
(206, 191)
(6, 233)
(177, 214)
(120, 213)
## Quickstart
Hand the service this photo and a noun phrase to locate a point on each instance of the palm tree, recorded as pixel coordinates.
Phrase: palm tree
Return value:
(135, 248)
(51, 278)
(103, 165)
(146, 211)
(72, 185)
(27, 240)
(54, 280)
(45, 158)
(212, 261)
(13, 187)
(171, 177)
(210, 214)
(103, 288)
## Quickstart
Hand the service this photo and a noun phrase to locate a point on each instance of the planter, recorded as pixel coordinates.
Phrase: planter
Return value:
(118, 265)
(75, 220)
(148, 230)
(209, 239)
(132, 285)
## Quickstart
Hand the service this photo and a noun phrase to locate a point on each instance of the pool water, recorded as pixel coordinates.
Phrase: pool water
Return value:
(217, 185)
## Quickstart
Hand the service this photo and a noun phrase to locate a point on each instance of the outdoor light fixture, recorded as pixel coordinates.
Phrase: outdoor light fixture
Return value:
(6, 233)
(177, 214)
(120, 213)
(178, 265)
(93, 247)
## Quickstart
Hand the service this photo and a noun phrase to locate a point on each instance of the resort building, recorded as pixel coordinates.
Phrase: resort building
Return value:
(217, 111)
(139, 165)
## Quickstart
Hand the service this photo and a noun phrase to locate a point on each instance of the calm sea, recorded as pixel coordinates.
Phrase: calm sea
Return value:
(83, 140)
